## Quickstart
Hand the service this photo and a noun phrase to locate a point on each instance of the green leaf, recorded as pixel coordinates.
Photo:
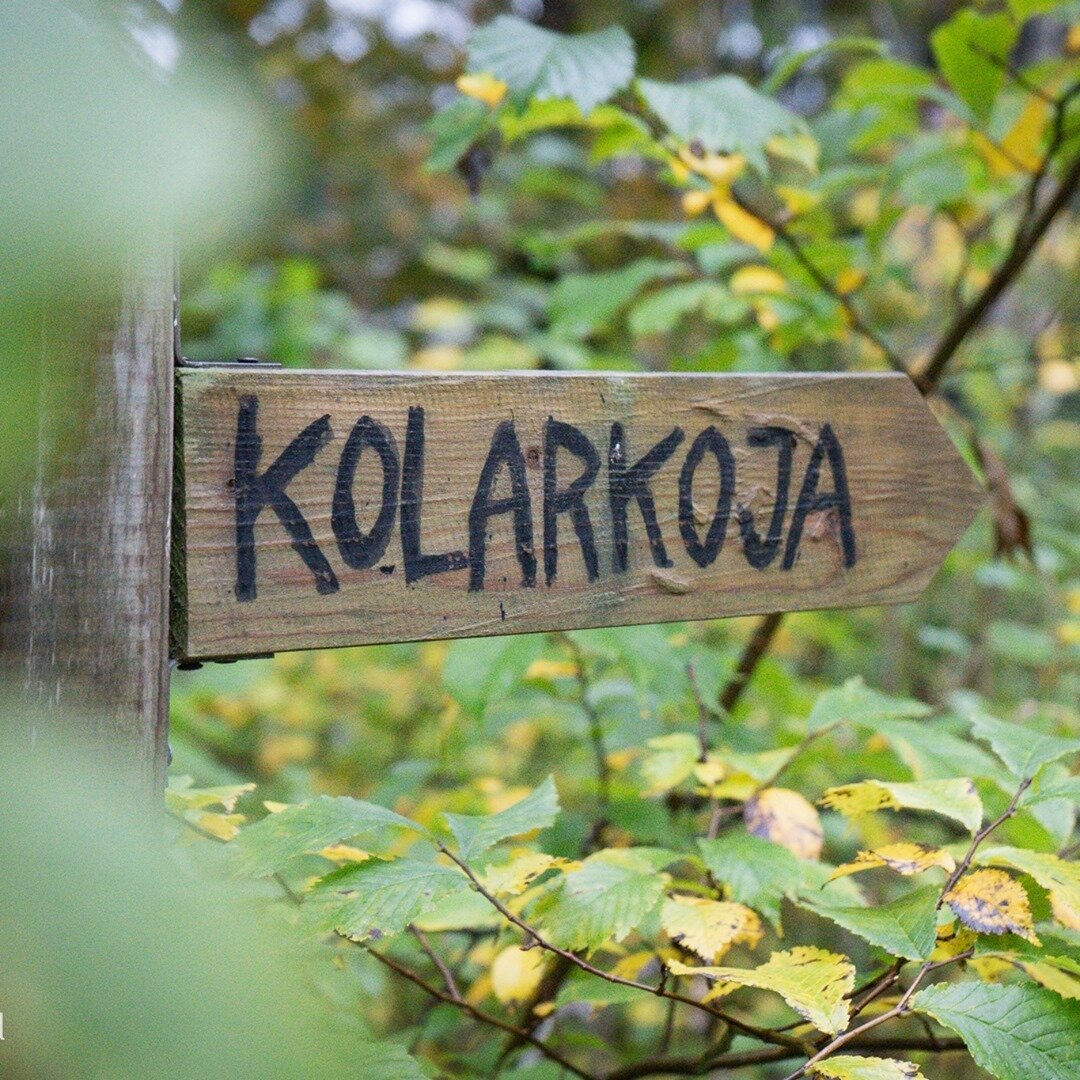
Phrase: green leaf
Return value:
(268, 845)
(1023, 750)
(379, 898)
(1065, 789)
(786, 69)
(671, 759)
(955, 798)
(1053, 873)
(607, 898)
(725, 115)
(812, 981)
(1016, 1032)
(476, 833)
(856, 703)
(905, 927)
(972, 50)
(660, 312)
(758, 873)
(854, 1067)
(453, 130)
(1024, 9)
(587, 68)
(584, 303)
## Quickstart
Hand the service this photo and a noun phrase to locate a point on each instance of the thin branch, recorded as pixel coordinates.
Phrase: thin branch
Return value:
(755, 649)
(703, 713)
(980, 836)
(899, 1009)
(596, 732)
(1024, 243)
(440, 964)
(533, 938)
(479, 1014)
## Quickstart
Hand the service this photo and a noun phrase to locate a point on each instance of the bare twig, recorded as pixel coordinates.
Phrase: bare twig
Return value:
(479, 1014)
(440, 964)
(755, 649)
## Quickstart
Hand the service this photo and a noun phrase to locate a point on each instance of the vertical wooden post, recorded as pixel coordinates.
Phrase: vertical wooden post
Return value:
(84, 578)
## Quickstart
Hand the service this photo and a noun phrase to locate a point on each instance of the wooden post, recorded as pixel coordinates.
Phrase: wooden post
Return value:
(84, 568)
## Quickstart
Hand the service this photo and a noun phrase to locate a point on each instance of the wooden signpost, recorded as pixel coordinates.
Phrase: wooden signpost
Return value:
(319, 509)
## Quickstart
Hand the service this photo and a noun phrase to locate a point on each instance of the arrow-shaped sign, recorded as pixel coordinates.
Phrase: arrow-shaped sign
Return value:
(320, 509)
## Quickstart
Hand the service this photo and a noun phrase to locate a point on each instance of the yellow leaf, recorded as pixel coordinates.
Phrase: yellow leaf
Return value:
(991, 902)
(904, 858)
(710, 771)
(343, 853)
(1072, 39)
(696, 202)
(631, 965)
(815, 983)
(275, 807)
(849, 279)
(786, 818)
(743, 225)
(709, 927)
(483, 87)
(513, 877)
(678, 170)
(854, 1067)
(748, 280)
(989, 968)
(797, 200)
(223, 826)
(1053, 978)
(722, 169)
(767, 316)
(1063, 912)
(1059, 376)
(865, 207)
(1058, 876)
(1022, 141)
(181, 796)
(953, 798)
(672, 760)
(952, 940)
(551, 669)
(517, 973)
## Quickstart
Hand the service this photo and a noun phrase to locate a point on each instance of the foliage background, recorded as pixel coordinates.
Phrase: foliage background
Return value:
(367, 258)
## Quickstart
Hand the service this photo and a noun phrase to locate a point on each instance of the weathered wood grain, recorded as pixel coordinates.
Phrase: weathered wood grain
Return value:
(84, 548)
(247, 586)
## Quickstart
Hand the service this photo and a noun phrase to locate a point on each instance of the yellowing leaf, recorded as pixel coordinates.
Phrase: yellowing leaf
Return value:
(343, 853)
(991, 902)
(849, 279)
(743, 225)
(513, 877)
(1053, 978)
(710, 771)
(952, 940)
(223, 826)
(853, 1067)
(672, 761)
(696, 202)
(786, 818)
(551, 669)
(953, 798)
(517, 973)
(1022, 141)
(812, 981)
(709, 927)
(181, 795)
(720, 169)
(748, 280)
(483, 87)
(904, 858)
(1059, 877)
(798, 200)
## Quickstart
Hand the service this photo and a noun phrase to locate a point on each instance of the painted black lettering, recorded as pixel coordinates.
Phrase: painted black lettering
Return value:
(760, 553)
(811, 501)
(417, 564)
(625, 484)
(710, 441)
(568, 500)
(505, 450)
(254, 492)
(360, 550)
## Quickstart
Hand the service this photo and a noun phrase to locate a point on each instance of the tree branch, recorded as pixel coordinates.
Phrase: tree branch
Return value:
(479, 1014)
